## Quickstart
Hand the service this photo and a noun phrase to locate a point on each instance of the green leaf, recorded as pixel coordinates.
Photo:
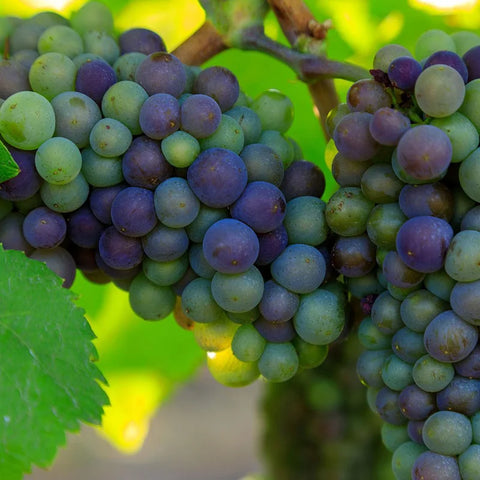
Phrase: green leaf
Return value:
(8, 167)
(48, 383)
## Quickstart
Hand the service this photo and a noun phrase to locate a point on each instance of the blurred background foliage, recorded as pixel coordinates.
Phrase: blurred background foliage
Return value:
(144, 362)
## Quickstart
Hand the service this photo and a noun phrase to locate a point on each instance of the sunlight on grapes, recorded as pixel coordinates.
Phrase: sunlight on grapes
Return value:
(134, 399)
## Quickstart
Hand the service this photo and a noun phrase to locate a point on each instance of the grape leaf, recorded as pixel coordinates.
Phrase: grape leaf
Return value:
(8, 167)
(48, 383)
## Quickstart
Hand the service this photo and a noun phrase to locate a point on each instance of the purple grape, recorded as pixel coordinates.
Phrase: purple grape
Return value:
(144, 165)
(472, 61)
(119, 251)
(278, 304)
(353, 139)
(200, 115)
(386, 404)
(450, 339)
(217, 177)
(263, 164)
(13, 77)
(275, 332)
(462, 395)
(100, 202)
(59, 261)
(302, 178)
(465, 301)
(27, 182)
(403, 72)
(415, 430)
(11, 233)
(433, 199)
(422, 243)
(399, 274)
(469, 367)
(160, 116)
(141, 40)
(44, 228)
(408, 345)
(115, 273)
(353, 256)
(271, 244)
(367, 95)
(261, 206)
(388, 125)
(162, 72)
(447, 57)
(164, 244)
(94, 78)
(424, 153)
(220, 84)
(230, 246)
(415, 403)
(433, 466)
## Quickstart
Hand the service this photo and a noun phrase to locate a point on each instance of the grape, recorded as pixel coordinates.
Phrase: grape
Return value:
(206, 217)
(230, 246)
(439, 90)
(123, 102)
(305, 220)
(75, 115)
(101, 171)
(470, 57)
(100, 202)
(448, 338)
(334, 116)
(367, 95)
(414, 429)
(408, 345)
(262, 164)
(471, 220)
(464, 299)
(26, 183)
(271, 245)
(398, 273)
(469, 462)
(126, 65)
(58, 160)
(274, 109)
(347, 211)
(462, 395)
(11, 233)
(302, 178)
(244, 318)
(462, 261)
(277, 304)
(44, 228)
(198, 262)
(403, 72)
(353, 138)
(247, 344)
(220, 84)
(369, 367)
(176, 205)
(165, 244)
(110, 138)
(238, 292)
(14, 77)
(309, 356)
(248, 121)
(200, 115)
(140, 40)
(392, 435)
(432, 375)
(383, 224)
(432, 41)
(94, 78)
(386, 313)
(198, 303)
(469, 176)
(300, 268)
(61, 39)
(103, 44)
(159, 116)
(25, 36)
(144, 165)
(386, 405)
(86, 57)
(464, 40)
(280, 145)
(217, 177)
(150, 301)
(83, 228)
(380, 184)
(133, 212)
(432, 466)
(348, 173)
(119, 251)
(67, 197)
(396, 374)
(25, 58)
(275, 332)
(353, 256)
(261, 206)
(447, 57)
(59, 260)
(215, 336)
(52, 74)
(161, 72)
(433, 199)
(371, 337)
(470, 366)
(27, 119)
(180, 149)
(278, 362)
(403, 459)
(422, 243)
(229, 135)
(415, 403)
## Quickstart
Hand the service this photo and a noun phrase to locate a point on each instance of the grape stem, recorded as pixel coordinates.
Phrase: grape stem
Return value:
(239, 24)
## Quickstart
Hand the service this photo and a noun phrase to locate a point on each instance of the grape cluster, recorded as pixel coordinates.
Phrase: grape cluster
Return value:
(170, 182)
(406, 217)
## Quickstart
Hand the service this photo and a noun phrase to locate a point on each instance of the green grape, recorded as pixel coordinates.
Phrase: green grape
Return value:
(110, 138)
(165, 273)
(432, 41)
(229, 135)
(403, 459)
(102, 44)
(229, 371)
(60, 39)
(279, 362)
(101, 171)
(65, 198)
(279, 144)
(180, 149)
(464, 41)
(248, 344)
(27, 120)
(309, 355)
(215, 336)
(126, 65)
(393, 435)
(93, 15)
(384, 57)
(275, 110)
(58, 160)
